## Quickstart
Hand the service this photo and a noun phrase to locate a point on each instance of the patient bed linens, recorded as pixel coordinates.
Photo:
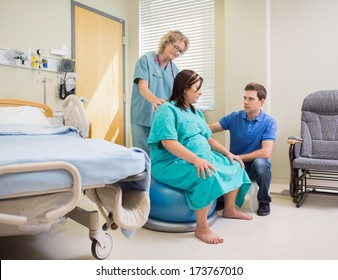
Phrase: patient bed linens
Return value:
(98, 161)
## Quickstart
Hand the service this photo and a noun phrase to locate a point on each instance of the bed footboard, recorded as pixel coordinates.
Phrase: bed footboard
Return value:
(32, 167)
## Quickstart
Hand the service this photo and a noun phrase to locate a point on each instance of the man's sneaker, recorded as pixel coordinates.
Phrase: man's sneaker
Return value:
(263, 209)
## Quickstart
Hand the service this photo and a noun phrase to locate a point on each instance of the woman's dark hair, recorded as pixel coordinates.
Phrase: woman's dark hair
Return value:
(185, 79)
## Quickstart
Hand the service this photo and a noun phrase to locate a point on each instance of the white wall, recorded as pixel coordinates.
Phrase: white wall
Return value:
(293, 54)
(304, 58)
(35, 24)
(213, 116)
(245, 50)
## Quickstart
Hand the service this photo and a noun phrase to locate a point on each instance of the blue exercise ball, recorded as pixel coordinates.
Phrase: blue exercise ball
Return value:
(168, 204)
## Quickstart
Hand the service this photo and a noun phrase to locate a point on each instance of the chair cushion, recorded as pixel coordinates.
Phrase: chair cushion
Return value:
(311, 163)
(319, 127)
(323, 102)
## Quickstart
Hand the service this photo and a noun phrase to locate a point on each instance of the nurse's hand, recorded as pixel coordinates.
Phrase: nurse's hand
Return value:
(203, 166)
(157, 103)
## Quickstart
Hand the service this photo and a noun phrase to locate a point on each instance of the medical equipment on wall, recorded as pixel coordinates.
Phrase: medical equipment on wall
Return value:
(67, 83)
(36, 60)
(17, 57)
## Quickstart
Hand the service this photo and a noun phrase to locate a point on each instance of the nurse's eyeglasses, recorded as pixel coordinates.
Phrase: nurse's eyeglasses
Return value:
(177, 49)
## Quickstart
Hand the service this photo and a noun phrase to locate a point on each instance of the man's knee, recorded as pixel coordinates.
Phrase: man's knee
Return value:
(261, 166)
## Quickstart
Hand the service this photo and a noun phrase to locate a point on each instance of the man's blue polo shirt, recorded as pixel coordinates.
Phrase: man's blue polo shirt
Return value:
(247, 135)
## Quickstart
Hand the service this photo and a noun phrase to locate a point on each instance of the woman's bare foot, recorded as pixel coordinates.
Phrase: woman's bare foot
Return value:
(207, 235)
(235, 214)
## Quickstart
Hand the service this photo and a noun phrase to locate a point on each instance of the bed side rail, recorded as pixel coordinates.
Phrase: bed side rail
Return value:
(42, 166)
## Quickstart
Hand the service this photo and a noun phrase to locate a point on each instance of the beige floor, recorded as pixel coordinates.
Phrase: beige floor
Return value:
(289, 233)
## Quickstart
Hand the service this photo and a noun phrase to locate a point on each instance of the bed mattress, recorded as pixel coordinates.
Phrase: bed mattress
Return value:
(99, 162)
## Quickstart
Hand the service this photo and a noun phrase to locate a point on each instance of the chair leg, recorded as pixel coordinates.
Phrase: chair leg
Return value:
(294, 183)
(295, 186)
(302, 190)
(301, 198)
(294, 173)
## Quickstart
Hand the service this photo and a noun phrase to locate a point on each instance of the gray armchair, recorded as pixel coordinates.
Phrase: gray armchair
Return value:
(314, 156)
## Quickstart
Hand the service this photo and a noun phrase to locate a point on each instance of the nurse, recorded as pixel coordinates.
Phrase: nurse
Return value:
(152, 84)
(184, 156)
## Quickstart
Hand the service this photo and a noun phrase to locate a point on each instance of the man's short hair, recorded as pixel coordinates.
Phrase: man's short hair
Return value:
(261, 91)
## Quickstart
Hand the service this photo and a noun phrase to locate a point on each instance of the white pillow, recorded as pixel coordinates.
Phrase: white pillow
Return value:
(23, 115)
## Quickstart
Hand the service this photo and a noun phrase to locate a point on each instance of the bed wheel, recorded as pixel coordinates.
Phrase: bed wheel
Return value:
(113, 226)
(99, 251)
(110, 223)
(105, 227)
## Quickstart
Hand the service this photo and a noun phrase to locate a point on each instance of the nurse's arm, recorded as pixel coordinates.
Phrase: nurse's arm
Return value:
(148, 95)
(182, 152)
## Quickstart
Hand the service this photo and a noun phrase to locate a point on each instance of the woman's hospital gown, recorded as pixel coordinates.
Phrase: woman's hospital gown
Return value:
(191, 130)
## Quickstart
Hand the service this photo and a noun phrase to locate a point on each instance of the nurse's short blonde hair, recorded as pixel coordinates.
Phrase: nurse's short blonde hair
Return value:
(172, 37)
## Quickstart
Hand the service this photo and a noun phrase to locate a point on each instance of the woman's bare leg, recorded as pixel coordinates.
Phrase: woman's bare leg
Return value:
(203, 231)
(230, 210)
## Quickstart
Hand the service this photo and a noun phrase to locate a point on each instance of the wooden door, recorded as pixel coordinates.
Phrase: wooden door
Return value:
(99, 60)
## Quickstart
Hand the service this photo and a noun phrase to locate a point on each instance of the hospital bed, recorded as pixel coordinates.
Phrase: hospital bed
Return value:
(47, 164)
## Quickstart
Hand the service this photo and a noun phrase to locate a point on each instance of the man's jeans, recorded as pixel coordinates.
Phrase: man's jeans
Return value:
(259, 170)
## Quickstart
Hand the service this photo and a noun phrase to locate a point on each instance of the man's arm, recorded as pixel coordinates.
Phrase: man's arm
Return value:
(215, 127)
(218, 147)
(264, 152)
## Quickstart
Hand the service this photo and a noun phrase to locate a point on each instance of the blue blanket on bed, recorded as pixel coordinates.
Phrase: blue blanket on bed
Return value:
(98, 161)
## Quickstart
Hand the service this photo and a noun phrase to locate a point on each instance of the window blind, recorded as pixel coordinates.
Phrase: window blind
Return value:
(196, 20)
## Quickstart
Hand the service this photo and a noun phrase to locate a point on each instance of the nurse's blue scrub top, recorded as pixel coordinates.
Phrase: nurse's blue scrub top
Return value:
(160, 83)
(191, 130)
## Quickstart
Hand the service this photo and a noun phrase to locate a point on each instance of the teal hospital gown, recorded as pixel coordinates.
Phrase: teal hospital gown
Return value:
(191, 130)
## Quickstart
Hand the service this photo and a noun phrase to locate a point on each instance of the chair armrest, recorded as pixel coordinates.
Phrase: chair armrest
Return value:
(295, 147)
(293, 140)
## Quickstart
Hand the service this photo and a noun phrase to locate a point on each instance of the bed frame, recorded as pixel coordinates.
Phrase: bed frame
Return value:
(120, 204)
(18, 102)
